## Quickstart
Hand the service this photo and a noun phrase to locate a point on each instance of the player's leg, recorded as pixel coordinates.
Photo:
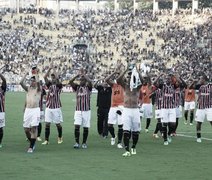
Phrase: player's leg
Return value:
(157, 128)
(48, 120)
(86, 126)
(60, 133)
(1, 136)
(186, 116)
(186, 110)
(164, 132)
(100, 121)
(191, 116)
(85, 137)
(105, 123)
(39, 131)
(33, 132)
(135, 137)
(200, 116)
(47, 133)
(192, 108)
(112, 119)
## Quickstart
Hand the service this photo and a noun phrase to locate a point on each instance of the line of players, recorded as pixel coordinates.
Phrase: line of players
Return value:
(166, 93)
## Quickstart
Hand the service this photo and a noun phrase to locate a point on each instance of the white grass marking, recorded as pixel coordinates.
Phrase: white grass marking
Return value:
(188, 136)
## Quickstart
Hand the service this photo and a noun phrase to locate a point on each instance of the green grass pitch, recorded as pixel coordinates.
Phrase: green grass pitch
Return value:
(183, 159)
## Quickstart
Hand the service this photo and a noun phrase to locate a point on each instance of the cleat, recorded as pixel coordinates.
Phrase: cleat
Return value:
(45, 142)
(0, 145)
(191, 124)
(133, 151)
(113, 141)
(185, 122)
(126, 154)
(169, 139)
(155, 136)
(174, 134)
(199, 140)
(146, 130)
(84, 146)
(119, 146)
(30, 150)
(166, 143)
(60, 140)
(39, 139)
(76, 146)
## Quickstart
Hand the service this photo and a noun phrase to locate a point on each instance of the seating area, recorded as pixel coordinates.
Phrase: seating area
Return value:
(180, 43)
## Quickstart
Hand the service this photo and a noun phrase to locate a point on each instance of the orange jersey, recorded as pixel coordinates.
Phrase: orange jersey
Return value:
(189, 95)
(145, 93)
(117, 97)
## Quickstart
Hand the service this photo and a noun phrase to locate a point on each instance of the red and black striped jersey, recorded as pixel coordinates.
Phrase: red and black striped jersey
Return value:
(158, 99)
(178, 97)
(53, 96)
(2, 97)
(205, 96)
(168, 100)
(83, 98)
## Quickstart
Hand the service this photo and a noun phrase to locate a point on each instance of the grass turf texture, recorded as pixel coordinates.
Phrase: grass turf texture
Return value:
(183, 159)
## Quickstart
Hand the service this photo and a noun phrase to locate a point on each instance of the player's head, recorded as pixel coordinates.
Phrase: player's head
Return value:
(33, 81)
(203, 79)
(82, 81)
(53, 78)
(145, 80)
(160, 83)
(168, 79)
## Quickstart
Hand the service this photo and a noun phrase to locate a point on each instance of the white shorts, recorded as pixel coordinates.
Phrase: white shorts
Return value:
(131, 119)
(53, 115)
(113, 117)
(146, 111)
(31, 117)
(2, 119)
(189, 105)
(168, 115)
(82, 118)
(158, 114)
(178, 112)
(42, 117)
(202, 113)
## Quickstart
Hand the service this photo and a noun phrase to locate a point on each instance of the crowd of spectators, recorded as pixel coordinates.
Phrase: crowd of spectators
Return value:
(97, 40)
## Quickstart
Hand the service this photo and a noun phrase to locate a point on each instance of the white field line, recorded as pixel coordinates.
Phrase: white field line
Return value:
(188, 136)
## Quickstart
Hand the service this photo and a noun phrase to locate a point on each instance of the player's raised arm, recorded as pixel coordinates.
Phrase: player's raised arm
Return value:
(4, 82)
(108, 79)
(120, 79)
(89, 81)
(47, 74)
(22, 82)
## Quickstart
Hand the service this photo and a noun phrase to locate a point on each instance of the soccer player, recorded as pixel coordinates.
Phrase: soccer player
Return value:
(103, 104)
(53, 113)
(145, 101)
(32, 110)
(115, 113)
(2, 107)
(179, 85)
(204, 105)
(131, 117)
(168, 111)
(82, 115)
(157, 95)
(189, 102)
